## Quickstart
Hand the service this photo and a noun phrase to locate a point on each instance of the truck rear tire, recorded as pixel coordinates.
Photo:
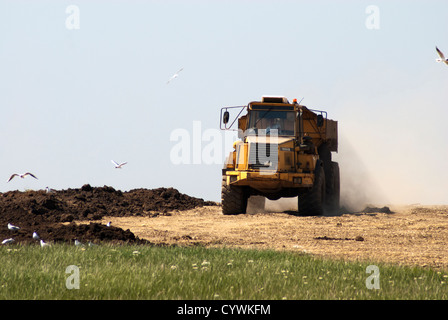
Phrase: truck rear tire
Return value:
(333, 189)
(312, 203)
(233, 198)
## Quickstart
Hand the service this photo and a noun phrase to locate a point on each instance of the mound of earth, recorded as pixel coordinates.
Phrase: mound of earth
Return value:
(53, 215)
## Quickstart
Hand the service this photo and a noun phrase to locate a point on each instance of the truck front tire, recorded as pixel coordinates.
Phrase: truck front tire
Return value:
(233, 198)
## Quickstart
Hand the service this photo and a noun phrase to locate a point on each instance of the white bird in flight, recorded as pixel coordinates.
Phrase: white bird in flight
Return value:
(175, 75)
(108, 224)
(23, 175)
(118, 165)
(10, 240)
(442, 57)
(13, 227)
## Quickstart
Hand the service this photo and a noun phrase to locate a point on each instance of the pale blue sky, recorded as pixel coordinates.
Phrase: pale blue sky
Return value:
(72, 100)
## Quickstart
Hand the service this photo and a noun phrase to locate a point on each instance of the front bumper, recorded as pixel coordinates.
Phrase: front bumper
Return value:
(266, 181)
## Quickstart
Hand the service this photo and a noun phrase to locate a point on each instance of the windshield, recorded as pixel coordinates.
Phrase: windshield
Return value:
(283, 121)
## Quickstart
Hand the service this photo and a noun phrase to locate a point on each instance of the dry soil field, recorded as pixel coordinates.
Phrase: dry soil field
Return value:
(412, 235)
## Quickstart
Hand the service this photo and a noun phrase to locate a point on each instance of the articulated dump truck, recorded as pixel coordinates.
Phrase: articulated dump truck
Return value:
(283, 150)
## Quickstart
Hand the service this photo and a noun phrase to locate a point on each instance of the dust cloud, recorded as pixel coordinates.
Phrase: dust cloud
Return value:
(358, 186)
(280, 205)
(392, 138)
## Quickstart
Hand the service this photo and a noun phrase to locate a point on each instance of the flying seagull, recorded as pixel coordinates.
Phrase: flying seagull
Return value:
(13, 227)
(175, 75)
(109, 223)
(118, 165)
(23, 175)
(442, 57)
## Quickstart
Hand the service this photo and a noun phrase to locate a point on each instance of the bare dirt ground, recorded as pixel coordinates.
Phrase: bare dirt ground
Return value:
(410, 235)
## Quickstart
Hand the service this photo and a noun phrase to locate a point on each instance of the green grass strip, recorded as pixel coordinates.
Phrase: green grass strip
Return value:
(156, 273)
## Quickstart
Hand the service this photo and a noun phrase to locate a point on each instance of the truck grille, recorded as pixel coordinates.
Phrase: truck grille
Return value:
(263, 155)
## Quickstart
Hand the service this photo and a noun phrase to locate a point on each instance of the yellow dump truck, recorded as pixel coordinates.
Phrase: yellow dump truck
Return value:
(283, 150)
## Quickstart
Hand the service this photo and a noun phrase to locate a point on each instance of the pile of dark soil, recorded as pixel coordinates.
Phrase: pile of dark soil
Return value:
(53, 215)
(369, 209)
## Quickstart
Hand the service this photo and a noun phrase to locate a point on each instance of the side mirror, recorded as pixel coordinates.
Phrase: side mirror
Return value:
(320, 120)
(225, 117)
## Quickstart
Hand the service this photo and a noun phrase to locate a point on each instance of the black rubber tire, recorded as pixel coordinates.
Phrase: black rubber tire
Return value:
(325, 157)
(333, 189)
(312, 203)
(233, 198)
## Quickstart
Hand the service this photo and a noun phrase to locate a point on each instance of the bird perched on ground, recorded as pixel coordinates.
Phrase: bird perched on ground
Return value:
(49, 190)
(23, 175)
(77, 243)
(175, 75)
(13, 227)
(6, 241)
(442, 57)
(35, 236)
(118, 165)
(43, 243)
